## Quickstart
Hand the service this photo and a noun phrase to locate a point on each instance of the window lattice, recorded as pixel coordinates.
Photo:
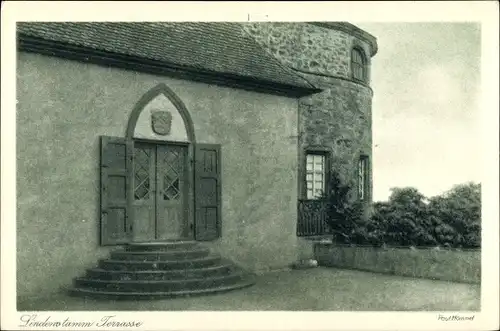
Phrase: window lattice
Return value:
(142, 180)
(315, 176)
(358, 65)
(362, 177)
(173, 166)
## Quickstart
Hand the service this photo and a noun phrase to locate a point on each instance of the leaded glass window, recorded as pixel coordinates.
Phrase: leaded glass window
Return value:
(173, 163)
(142, 171)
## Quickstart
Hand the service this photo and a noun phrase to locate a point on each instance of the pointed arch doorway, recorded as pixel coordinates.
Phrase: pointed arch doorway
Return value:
(157, 182)
(162, 135)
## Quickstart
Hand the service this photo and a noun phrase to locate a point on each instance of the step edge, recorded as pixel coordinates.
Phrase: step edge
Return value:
(158, 243)
(236, 274)
(161, 271)
(209, 258)
(205, 250)
(241, 284)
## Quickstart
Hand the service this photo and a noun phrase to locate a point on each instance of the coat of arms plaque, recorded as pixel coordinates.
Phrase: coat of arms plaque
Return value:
(161, 122)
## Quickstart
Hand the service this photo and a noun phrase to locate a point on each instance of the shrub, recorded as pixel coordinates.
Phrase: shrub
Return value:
(456, 215)
(408, 218)
(344, 213)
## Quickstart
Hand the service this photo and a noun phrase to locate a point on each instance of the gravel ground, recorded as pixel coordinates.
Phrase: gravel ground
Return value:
(319, 289)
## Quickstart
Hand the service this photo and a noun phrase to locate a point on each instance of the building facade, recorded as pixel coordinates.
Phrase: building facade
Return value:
(212, 132)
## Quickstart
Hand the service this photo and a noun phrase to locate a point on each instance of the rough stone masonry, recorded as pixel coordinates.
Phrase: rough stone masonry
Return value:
(339, 118)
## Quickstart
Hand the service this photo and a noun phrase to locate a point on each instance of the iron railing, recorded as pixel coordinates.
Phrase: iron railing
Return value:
(312, 218)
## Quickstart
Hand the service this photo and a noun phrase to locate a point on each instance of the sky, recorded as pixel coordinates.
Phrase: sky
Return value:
(426, 114)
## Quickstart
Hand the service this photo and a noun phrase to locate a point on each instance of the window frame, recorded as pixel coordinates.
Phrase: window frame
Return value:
(356, 65)
(325, 153)
(363, 170)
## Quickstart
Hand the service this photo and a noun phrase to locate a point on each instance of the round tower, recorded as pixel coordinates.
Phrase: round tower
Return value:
(336, 123)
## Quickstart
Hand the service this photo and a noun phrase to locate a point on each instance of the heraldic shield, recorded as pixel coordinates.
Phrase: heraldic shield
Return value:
(161, 122)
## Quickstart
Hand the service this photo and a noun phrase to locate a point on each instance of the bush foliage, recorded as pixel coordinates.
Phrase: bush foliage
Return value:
(408, 218)
(344, 212)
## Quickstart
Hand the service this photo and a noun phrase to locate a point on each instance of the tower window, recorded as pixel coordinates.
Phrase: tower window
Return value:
(358, 65)
(363, 177)
(315, 175)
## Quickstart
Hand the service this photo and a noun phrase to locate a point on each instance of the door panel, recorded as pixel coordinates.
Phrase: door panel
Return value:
(160, 185)
(144, 192)
(171, 192)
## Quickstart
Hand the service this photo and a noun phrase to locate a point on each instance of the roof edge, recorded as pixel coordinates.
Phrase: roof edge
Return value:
(84, 54)
(351, 29)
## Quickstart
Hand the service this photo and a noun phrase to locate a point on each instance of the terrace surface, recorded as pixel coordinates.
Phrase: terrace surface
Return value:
(319, 289)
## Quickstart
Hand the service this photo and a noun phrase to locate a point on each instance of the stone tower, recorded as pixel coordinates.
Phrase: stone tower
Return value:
(336, 58)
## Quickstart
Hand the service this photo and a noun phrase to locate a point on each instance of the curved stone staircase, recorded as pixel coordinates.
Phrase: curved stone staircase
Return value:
(161, 270)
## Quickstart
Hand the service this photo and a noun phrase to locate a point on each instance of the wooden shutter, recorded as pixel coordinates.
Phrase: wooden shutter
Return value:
(116, 190)
(207, 192)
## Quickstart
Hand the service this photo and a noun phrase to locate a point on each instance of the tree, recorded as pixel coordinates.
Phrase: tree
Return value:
(456, 215)
(407, 218)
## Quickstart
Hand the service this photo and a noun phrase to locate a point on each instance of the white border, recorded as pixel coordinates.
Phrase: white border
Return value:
(485, 12)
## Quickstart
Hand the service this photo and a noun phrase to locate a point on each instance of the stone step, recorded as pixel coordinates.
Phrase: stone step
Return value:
(161, 270)
(160, 285)
(160, 255)
(218, 270)
(116, 295)
(128, 265)
(161, 246)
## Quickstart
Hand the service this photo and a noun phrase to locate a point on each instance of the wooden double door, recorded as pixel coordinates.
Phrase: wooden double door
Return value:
(160, 198)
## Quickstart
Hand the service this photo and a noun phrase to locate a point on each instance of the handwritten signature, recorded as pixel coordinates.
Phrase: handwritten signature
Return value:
(108, 321)
(457, 318)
